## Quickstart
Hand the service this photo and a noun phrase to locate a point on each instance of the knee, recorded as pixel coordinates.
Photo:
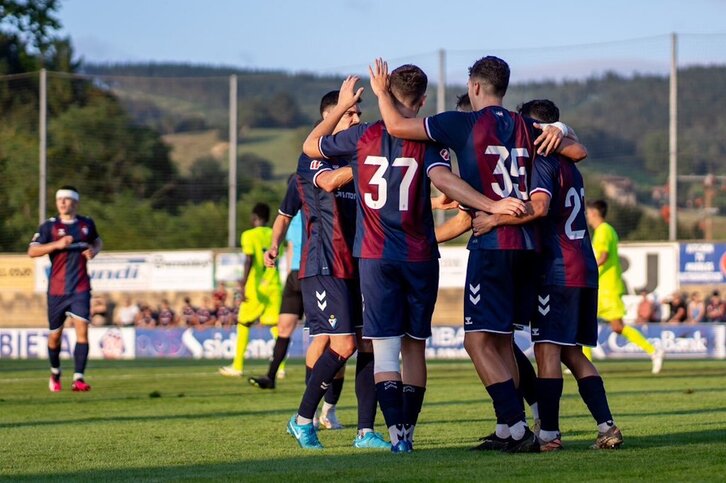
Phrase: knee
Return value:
(617, 326)
(343, 346)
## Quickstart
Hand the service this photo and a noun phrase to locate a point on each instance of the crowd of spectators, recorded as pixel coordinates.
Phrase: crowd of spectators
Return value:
(218, 310)
(680, 308)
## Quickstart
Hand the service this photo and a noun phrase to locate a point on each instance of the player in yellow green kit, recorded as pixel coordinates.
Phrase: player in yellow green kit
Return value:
(610, 304)
(262, 290)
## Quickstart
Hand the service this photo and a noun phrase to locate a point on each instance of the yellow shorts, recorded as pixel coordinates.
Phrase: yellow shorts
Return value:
(610, 306)
(265, 308)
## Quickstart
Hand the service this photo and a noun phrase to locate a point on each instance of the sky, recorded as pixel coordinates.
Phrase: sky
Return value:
(552, 39)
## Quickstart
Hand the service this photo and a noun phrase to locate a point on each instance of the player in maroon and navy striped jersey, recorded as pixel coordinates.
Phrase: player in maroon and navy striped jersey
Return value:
(70, 240)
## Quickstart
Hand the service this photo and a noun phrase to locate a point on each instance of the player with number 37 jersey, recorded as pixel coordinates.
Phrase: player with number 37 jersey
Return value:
(394, 205)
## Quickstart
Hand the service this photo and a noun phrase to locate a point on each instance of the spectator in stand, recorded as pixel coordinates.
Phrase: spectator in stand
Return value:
(647, 309)
(715, 308)
(188, 313)
(222, 313)
(127, 313)
(696, 309)
(99, 311)
(205, 315)
(167, 317)
(679, 310)
(146, 319)
(220, 294)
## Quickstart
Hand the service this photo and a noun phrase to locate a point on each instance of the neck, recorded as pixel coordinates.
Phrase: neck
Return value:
(487, 101)
(597, 223)
(68, 217)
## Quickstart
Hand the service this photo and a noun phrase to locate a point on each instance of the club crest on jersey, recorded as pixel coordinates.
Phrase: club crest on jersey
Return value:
(84, 230)
(315, 164)
(61, 232)
(444, 154)
(332, 320)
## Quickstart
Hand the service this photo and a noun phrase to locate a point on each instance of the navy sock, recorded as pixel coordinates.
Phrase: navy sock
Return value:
(54, 357)
(278, 355)
(365, 390)
(390, 397)
(332, 395)
(413, 397)
(507, 403)
(321, 377)
(80, 357)
(550, 391)
(527, 376)
(592, 391)
(308, 372)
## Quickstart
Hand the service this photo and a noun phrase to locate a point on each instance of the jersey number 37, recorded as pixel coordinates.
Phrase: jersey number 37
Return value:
(408, 164)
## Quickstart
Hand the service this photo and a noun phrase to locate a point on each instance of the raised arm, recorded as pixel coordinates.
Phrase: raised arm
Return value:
(396, 124)
(347, 98)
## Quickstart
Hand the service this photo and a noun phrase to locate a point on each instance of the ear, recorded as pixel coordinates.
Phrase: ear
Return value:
(423, 100)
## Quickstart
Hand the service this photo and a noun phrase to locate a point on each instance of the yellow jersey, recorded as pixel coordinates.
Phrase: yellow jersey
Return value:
(605, 239)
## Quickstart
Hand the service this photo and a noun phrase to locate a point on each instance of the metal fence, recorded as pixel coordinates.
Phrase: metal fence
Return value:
(159, 151)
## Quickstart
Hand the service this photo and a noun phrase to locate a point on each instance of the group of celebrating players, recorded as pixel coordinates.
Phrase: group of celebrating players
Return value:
(368, 271)
(369, 266)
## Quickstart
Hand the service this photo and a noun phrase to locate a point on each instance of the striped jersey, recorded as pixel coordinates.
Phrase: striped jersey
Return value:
(494, 149)
(394, 193)
(68, 267)
(567, 255)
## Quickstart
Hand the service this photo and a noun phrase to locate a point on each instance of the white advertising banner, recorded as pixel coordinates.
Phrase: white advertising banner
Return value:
(103, 342)
(141, 271)
(452, 267)
(650, 266)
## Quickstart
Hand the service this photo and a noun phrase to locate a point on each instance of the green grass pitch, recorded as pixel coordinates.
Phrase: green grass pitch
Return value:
(179, 420)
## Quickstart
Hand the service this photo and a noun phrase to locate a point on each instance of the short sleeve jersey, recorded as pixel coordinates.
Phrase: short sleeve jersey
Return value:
(394, 193)
(494, 149)
(68, 267)
(567, 254)
(328, 223)
(605, 239)
(262, 280)
(294, 236)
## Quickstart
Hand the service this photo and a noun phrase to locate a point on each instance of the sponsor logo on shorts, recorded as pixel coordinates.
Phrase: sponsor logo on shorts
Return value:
(322, 303)
(467, 321)
(544, 305)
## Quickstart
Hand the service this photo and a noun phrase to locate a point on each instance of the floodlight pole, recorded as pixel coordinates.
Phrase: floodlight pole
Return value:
(232, 181)
(42, 159)
(673, 144)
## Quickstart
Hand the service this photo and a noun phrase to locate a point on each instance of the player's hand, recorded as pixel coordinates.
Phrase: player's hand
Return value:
(483, 223)
(379, 77)
(271, 257)
(63, 242)
(443, 202)
(89, 253)
(509, 206)
(549, 140)
(349, 95)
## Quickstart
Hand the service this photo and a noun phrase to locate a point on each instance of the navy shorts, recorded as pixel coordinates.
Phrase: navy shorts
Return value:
(77, 305)
(292, 300)
(565, 316)
(500, 290)
(332, 305)
(398, 297)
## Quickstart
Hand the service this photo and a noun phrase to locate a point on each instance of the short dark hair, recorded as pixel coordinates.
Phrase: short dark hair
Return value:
(69, 187)
(493, 72)
(262, 211)
(330, 100)
(408, 84)
(542, 110)
(463, 103)
(600, 205)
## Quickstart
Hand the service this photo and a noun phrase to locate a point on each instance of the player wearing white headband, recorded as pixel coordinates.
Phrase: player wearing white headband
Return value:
(70, 240)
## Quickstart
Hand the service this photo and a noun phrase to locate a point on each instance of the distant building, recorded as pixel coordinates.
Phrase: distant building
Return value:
(619, 189)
